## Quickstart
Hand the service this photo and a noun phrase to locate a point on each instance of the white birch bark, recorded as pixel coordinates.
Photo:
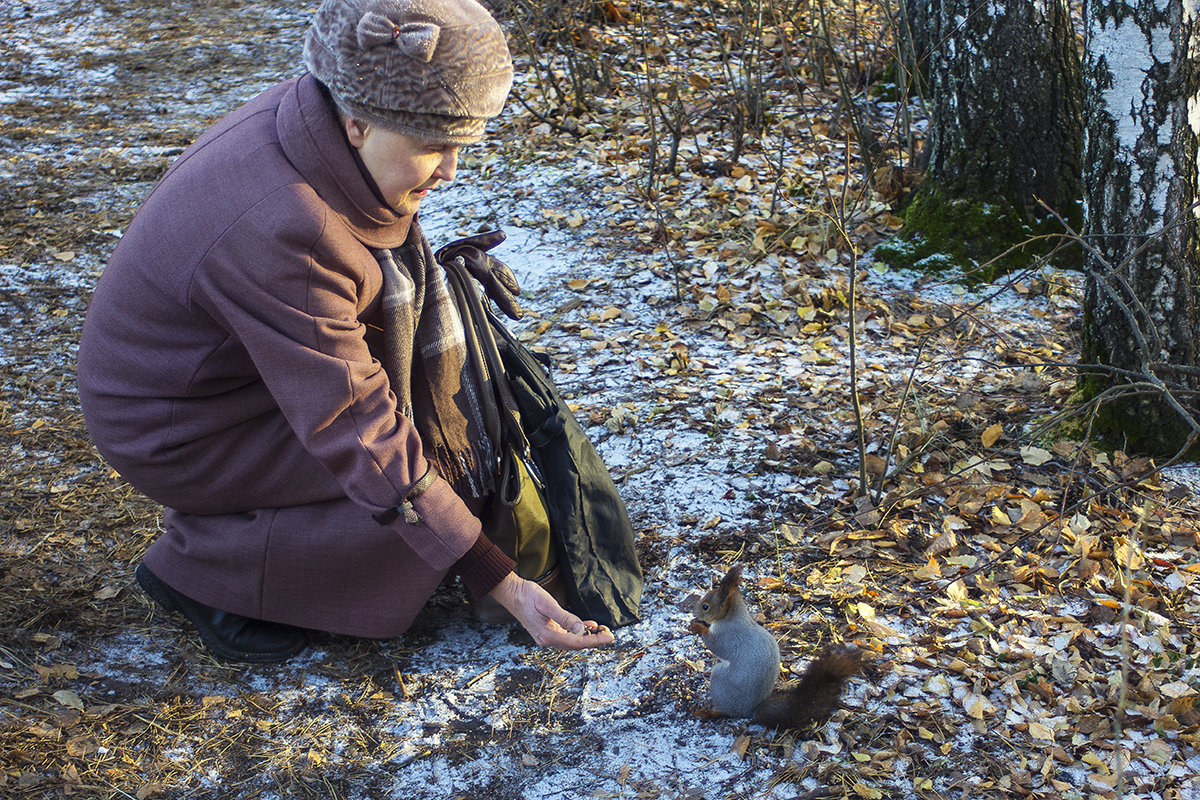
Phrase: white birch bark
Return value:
(1142, 120)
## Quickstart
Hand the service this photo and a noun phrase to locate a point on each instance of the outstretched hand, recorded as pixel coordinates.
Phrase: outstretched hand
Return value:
(548, 623)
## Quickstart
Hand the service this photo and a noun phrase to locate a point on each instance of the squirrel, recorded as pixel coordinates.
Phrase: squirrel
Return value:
(747, 669)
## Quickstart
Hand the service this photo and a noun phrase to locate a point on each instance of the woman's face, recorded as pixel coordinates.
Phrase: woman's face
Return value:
(403, 168)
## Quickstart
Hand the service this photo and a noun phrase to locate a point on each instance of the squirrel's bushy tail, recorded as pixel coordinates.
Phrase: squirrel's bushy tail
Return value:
(815, 695)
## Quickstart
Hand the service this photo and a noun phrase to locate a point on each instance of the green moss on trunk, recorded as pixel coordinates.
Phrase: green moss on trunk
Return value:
(984, 239)
(1145, 425)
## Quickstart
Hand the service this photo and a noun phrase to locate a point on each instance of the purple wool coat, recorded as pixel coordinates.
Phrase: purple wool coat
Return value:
(226, 371)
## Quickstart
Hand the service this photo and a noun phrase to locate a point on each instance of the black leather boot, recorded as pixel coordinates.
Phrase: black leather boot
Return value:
(230, 637)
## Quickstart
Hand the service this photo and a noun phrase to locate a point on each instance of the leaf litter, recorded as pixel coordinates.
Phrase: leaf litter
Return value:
(1029, 606)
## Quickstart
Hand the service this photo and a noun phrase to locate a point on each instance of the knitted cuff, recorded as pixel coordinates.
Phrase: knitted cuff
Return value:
(483, 567)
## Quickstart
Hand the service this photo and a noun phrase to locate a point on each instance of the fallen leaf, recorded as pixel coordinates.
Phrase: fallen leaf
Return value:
(69, 699)
(957, 591)
(977, 706)
(992, 434)
(1039, 731)
(82, 745)
(942, 544)
(939, 685)
(740, 744)
(1035, 456)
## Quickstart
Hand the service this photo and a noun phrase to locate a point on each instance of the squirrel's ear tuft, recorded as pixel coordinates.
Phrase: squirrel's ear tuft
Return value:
(732, 578)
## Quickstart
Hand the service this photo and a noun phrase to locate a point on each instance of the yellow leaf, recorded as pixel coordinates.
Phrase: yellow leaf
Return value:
(992, 434)
(939, 685)
(928, 572)
(977, 707)
(1039, 731)
(957, 591)
(578, 283)
(1127, 554)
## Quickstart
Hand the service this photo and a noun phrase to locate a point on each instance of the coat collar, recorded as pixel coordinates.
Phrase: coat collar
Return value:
(313, 142)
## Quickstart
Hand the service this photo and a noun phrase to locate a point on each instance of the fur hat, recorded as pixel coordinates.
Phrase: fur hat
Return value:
(433, 69)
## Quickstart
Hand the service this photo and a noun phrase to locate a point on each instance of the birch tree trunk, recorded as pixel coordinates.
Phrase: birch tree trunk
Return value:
(1142, 89)
(1005, 130)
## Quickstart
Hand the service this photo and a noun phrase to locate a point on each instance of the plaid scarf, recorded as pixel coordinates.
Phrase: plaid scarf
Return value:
(426, 359)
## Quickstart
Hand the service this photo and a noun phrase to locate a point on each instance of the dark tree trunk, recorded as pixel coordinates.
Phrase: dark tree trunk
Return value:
(1005, 101)
(1140, 317)
(1005, 131)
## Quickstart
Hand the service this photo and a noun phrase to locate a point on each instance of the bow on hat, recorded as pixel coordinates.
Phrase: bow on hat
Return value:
(415, 39)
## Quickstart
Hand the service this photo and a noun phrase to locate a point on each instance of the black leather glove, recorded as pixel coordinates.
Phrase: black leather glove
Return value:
(497, 279)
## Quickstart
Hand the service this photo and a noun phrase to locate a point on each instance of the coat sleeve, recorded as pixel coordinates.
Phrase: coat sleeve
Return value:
(291, 293)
